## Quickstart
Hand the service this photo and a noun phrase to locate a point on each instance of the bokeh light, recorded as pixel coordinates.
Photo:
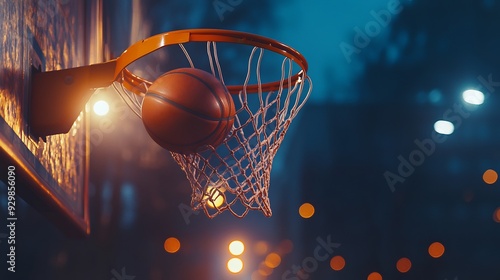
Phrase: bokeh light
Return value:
(214, 197)
(236, 247)
(273, 260)
(337, 263)
(101, 108)
(496, 215)
(261, 248)
(172, 245)
(468, 196)
(490, 176)
(474, 97)
(444, 127)
(235, 265)
(374, 276)
(256, 275)
(403, 265)
(306, 210)
(436, 250)
(265, 270)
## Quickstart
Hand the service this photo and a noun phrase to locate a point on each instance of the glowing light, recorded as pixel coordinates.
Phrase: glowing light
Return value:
(474, 97)
(265, 270)
(374, 276)
(403, 265)
(236, 247)
(490, 176)
(273, 260)
(337, 263)
(444, 127)
(436, 250)
(306, 210)
(496, 215)
(261, 248)
(256, 275)
(235, 265)
(214, 197)
(101, 108)
(172, 245)
(435, 96)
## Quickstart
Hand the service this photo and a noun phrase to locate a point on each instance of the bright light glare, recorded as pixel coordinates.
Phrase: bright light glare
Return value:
(474, 97)
(235, 265)
(101, 108)
(236, 247)
(444, 127)
(214, 197)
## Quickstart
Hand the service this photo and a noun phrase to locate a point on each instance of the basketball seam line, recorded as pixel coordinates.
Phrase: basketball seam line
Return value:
(209, 86)
(179, 106)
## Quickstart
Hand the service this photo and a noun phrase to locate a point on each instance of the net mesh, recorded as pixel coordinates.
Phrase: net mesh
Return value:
(235, 176)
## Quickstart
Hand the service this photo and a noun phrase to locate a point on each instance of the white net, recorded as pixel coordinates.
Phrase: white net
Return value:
(235, 176)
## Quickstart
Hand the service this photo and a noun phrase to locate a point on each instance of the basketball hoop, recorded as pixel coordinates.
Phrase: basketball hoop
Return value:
(235, 175)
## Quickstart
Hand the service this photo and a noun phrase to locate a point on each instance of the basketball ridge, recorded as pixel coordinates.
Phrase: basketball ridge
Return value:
(187, 109)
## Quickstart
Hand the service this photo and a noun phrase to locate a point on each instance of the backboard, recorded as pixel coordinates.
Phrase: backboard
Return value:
(51, 173)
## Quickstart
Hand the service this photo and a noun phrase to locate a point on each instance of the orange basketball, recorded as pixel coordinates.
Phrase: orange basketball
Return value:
(186, 109)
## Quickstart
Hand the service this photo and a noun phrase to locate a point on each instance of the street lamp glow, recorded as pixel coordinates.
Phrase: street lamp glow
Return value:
(474, 97)
(236, 247)
(101, 108)
(234, 265)
(444, 127)
(214, 197)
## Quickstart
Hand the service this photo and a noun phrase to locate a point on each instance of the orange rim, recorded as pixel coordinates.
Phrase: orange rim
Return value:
(136, 51)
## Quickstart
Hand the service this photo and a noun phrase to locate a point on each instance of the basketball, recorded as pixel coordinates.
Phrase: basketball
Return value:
(186, 109)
